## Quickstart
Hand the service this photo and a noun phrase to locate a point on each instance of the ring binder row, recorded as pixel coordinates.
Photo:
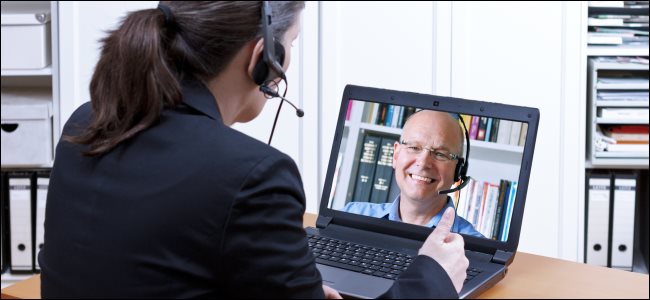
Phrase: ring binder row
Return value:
(24, 196)
(610, 219)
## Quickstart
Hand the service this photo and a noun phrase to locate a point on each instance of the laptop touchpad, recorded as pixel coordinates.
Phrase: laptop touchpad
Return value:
(354, 284)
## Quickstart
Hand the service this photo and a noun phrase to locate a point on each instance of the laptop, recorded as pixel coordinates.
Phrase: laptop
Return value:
(360, 252)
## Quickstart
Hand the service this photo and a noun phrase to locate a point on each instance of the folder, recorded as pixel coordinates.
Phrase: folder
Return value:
(623, 221)
(42, 184)
(20, 222)
(3, 219)
(597, 246)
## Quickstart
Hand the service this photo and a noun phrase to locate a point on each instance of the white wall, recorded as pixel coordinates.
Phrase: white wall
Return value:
(528, 54)
(515, 58)
(81, 26)
(509, 52)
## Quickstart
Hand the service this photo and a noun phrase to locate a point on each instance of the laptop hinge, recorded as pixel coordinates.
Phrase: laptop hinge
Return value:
(322, 222)
(502, 257)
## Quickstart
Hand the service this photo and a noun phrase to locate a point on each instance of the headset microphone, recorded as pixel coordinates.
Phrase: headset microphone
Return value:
(458, 188)
(268, 91)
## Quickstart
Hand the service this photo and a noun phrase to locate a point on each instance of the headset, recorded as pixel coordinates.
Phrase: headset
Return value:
(269, 66)
(460, 173)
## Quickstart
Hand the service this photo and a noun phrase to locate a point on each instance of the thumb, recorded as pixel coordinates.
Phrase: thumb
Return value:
(444, 226)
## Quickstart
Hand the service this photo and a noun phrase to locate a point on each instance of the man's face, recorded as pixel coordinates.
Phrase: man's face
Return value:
(419, 175)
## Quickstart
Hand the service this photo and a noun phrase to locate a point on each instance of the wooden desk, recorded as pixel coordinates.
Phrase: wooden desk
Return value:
(534, 276)
(529, 276)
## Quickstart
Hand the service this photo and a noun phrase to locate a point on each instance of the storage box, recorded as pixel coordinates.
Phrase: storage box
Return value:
(25, 35)
(26, 128)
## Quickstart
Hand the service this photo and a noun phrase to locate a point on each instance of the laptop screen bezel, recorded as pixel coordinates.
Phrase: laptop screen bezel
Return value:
(439, 103)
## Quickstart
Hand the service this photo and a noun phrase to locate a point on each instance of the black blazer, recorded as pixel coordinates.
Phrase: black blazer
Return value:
(187, 208)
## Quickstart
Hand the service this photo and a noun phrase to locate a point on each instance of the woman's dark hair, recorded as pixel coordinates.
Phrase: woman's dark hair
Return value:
(143, 61)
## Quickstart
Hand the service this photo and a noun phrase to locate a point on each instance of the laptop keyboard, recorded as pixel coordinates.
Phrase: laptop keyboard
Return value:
(364, 259)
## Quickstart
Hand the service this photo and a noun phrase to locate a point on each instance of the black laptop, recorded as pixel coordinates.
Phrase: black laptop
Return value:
(360, 252)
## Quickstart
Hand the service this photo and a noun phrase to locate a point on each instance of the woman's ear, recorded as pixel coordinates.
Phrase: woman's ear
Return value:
(256, 56)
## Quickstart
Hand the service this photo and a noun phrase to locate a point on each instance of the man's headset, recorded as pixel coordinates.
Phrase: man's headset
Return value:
(269, 66)
(460, 173)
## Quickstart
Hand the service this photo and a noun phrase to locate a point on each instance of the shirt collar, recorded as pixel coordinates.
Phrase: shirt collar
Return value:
(392, 212)
(197, 96)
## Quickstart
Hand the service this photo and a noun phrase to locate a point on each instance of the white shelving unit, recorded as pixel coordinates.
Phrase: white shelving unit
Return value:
(605, 159)
(45, 79)
(615, 162)
(42, 79)
(25, 73)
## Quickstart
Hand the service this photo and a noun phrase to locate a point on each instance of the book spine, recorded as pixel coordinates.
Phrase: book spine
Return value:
(383, 171)
(366, 171)
(473, 128)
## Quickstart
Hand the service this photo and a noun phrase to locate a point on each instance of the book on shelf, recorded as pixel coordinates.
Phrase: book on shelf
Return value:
(624, 113)
(503, 135)
(604, 21)
(473, 127)
(515, 132)
(488, 130)
(494, 130)
(366, 168)
(524, 133)
(390, 110)
(622, 96)
(627, 134)
(604, 40)
(485, 205)
(383, 171)
(482, 127)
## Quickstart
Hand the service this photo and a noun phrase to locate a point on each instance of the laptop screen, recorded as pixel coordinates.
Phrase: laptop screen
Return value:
(398, 163)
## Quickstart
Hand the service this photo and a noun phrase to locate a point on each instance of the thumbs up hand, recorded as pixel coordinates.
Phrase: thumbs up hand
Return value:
(448, 249)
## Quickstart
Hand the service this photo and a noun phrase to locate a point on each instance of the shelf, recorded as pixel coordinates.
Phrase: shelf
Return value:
(622, 103)
(599, 65)
(380, 128)
(495, 146)
(615, 86)
(618, 50)
(625, 155)
(621, 121)
(617, 163)
(38, 72)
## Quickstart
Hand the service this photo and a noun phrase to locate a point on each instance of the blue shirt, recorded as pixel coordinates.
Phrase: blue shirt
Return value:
(390, 211)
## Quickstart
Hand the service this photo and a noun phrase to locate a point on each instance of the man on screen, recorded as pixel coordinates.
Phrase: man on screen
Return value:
(424, 160)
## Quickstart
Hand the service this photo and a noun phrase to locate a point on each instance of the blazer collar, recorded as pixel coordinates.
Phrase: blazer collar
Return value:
(197, 96)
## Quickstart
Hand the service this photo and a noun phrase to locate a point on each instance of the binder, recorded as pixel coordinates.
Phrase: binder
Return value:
(3, 220)
(42, 184)
(20, 222)
(598, 193)
(623, 221)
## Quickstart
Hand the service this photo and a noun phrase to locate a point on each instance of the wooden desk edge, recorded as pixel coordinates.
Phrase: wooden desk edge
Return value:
(29, 288)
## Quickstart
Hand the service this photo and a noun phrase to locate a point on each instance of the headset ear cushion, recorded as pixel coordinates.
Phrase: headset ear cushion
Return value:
(261, 71)
(460, 170)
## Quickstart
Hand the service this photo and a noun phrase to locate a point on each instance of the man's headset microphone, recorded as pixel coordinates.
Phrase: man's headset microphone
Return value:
(269, 67)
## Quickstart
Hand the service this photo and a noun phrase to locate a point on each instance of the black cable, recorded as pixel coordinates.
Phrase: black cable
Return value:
(277, 114)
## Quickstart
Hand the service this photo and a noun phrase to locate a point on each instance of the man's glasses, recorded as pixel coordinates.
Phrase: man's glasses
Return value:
(437, 154)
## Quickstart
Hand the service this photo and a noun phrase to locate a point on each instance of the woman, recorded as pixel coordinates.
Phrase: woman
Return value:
(152, 194)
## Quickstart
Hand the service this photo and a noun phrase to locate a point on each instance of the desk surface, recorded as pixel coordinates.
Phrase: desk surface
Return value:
(529, 276)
